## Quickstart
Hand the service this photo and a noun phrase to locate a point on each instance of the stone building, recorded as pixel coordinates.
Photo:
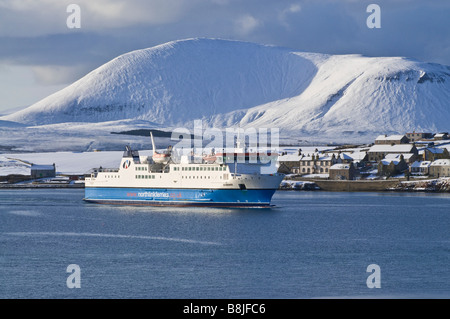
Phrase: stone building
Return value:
(420, 168)
(377, 152)
(391, 139)
(389, 167)
(441, 136)
(42, 171)
(440, 168)
(289, 163)
(342, 171)
(434, 153)
(317, 164)
(414, 136)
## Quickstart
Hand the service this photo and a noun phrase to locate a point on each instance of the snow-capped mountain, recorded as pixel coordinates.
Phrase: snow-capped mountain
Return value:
(232, 83)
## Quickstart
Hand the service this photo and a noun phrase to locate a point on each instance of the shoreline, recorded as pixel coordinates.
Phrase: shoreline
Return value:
(440, 185)
(23, 186)
(437, 185)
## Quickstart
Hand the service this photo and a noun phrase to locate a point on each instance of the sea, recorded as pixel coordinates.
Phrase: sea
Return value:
(310, 244)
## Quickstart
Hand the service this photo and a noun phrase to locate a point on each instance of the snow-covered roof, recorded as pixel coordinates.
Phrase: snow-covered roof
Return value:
(387, 161)
(289, 158)
(435, 150)
(321, 158)
(417, 164)
(345, 156)
(397, 148)
(441, 162)
(308, 157)
(406, 156)
(340, 166)
(42, 167)
(356, 156)
(389, 138)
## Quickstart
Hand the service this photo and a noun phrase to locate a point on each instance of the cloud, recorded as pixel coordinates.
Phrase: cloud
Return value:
(34, 33)
(246, 24)
(285, 13)
(58, 74)
(44, 17)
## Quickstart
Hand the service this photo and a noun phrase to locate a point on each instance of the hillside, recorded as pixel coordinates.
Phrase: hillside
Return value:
(176, 82)
(229, 83)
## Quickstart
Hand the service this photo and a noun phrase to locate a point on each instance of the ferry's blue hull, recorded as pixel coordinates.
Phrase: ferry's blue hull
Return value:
(180, 197)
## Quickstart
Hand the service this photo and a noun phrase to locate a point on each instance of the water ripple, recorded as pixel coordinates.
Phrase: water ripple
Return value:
(72, 234)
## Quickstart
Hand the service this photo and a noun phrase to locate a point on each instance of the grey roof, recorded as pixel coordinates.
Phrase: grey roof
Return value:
(42, 167)
(397, 148)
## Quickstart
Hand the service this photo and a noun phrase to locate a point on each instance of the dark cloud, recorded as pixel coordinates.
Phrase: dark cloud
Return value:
(37, 36)
(409, 28)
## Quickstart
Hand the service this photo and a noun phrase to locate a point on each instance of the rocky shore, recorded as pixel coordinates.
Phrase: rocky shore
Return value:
(429, 185)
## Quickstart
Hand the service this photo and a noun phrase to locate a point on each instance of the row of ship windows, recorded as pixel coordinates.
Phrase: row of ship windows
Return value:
(145, 176)
(186, 177)
(200, 168)
(201, 177)
(196, 168)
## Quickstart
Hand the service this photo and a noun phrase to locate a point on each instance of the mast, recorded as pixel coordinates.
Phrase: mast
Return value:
(235, 155)
(153, 143)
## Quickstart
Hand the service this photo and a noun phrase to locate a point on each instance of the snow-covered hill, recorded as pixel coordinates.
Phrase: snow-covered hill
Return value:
(176, 82)
(231, 83)
(359, 97)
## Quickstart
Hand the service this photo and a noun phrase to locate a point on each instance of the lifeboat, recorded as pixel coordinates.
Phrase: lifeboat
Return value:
(157, 157)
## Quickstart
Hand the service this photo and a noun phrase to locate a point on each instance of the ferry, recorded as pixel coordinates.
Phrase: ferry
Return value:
(227, 179)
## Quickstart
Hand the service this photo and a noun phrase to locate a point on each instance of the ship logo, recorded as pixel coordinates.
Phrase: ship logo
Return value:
(126, 164)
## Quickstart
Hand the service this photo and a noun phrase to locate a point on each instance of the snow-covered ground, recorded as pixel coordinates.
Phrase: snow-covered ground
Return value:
(66, 162)
(298, 185)
(10, 166)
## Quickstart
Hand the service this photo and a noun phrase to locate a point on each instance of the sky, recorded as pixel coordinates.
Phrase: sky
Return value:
(46, 45)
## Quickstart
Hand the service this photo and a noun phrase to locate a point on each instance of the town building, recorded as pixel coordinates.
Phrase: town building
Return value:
(342, 171)
(434, 153)
(420, 168)
(441, 136)
(440, 168)
(289, 163)
(359, 157)
(391, 139)
(316, 164)
(42, 171)
(408, 157)
(389, 167)
(414, 137)
(377, 152)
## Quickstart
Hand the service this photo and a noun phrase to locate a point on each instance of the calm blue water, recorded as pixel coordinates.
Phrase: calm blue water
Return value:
(312, 245)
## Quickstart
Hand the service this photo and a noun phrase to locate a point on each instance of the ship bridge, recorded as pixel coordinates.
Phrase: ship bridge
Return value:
(129, 153)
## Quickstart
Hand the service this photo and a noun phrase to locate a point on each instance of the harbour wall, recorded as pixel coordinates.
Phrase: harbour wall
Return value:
(356, 185)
